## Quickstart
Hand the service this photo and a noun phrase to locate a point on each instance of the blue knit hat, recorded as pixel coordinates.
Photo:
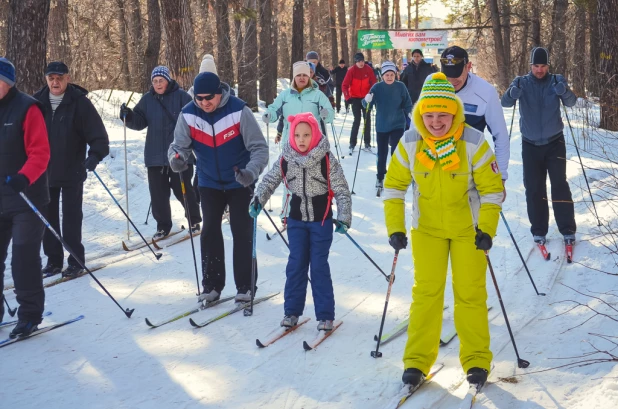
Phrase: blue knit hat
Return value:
(207, 83)
(161, 71)
(7, 71)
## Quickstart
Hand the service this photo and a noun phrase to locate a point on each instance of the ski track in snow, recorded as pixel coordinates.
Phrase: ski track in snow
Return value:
(107, 360)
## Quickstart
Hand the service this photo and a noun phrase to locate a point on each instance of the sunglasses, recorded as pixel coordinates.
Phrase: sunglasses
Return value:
(207, 98)
(453, 61)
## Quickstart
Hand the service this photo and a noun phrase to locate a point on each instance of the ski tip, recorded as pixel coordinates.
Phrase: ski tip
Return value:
(150, 324)
(124, 246)
(155, 245)
(375, 338)
(306, 346)
(268, 237)
(193, 323)
(259, 344)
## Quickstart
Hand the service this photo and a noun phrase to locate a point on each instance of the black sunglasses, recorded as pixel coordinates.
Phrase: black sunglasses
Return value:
(207, 98)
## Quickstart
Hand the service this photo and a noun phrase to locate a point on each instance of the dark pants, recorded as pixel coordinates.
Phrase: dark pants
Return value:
(538, 162)
(71, 231)
(359, 112)
(160, 180)
(384, 139)
(338, 93)
(213, 251)
(26, 230)
(309, 245)
(196, 188)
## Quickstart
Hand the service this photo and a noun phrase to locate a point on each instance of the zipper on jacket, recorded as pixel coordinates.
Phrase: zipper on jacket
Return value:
(305, 192)
(214, 144)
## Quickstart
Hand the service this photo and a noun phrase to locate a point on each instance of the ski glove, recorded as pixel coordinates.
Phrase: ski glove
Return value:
(398, 241)
(278, 138)
(17, 182)
(126, 112)
(178, 164)
(559, 88)
(266, 118)
(341, 227)
(482, 240)
(255, 208)
(369, 98)
(91, 163)
(245, 177)
(515, 92)
(323, 114)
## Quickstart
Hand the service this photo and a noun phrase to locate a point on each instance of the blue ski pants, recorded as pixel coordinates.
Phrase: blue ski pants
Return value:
(384, 140)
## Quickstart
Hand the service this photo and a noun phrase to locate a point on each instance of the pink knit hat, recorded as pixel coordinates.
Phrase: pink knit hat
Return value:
(316, 134)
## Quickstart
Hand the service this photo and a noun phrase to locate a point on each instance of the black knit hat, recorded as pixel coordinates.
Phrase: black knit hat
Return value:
(539, 56)
(342, 61)
(359, 57)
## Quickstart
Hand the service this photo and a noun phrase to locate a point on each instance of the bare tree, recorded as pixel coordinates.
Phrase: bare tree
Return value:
(557, 45)
(333, 32)
(384, 15)
(524, 49)
(268, 88)
(151, 55)
(179, 41)
(247, 84)
(4, 25)
(298, 18)
(607, 14)
(506, 36)
(224, 45)
(58, 32)
(503, 80)
(579, 62)
(136, 53)
(536, 23)
(125, 76)
(594, 84)
(27, 41)
(343, 31)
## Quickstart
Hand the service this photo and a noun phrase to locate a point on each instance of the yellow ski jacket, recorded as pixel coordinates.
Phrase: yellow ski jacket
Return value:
(447, 204)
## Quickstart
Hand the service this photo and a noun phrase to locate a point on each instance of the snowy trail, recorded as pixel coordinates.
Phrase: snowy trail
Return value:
(107, 360)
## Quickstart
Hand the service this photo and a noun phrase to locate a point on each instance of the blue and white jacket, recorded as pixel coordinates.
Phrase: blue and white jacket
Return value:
(225, 139)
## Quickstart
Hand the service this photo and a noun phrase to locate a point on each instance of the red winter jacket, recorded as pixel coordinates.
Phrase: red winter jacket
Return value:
(358, 82)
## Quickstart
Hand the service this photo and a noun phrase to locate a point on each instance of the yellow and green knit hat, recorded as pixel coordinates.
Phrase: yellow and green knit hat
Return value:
(437, 95)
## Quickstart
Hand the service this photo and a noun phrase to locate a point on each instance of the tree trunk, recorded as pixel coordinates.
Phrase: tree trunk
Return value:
(536, 23)
(180, 43)
(27, 42)
(594, 83)
(4, 25)
(247, 84)
(267, 86)
(607, 14)
(297, 33)
(125, 76)
(503, 81)
(416, 14)
(384, 14)
(353, 6)
(333, 33)
(357, 23)
(224, 45)
(557, 45)
(238, 40)
(579, 61)
(138, 72)
(367, 24)
(523, 51)
(343, 31)
(58, 32)
(506, 37)
(313, 22)
(153, 47)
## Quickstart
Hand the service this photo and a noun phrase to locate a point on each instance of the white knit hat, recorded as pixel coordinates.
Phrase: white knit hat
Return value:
(208, 64)
(301, 67)
(388, 66)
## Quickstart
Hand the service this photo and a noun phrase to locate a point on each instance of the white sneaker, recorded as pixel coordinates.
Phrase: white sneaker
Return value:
(243, 297)
(289, 321)
(325, 325)
(210, 296)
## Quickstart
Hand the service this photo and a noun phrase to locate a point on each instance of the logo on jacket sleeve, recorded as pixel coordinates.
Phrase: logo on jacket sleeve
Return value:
(494, 167)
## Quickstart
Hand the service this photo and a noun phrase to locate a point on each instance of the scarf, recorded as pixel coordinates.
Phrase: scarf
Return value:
(441, 149)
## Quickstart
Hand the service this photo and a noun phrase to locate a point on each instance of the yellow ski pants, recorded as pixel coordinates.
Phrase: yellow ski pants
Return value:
(469, 266)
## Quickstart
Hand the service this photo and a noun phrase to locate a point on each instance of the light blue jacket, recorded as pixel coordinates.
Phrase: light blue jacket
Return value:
(540, 120)
(291, 102)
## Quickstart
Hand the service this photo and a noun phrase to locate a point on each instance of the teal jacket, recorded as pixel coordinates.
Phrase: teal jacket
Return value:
(291, 102)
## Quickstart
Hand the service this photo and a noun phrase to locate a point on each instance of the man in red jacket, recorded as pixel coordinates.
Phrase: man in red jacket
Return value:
(356, 84)
(24, 155)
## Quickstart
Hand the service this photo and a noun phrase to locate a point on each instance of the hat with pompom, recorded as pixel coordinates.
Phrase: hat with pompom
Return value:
(208, 64)
(437, 95)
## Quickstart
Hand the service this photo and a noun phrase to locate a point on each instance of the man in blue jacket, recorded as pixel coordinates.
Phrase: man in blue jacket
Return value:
(231, 153)
(540, 95)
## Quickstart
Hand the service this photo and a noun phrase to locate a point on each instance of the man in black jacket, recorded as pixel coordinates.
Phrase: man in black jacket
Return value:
(415, 74)
(72, 124)
(339, 74)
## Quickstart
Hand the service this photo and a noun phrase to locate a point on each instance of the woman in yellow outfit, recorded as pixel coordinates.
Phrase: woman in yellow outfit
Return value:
(457, 197)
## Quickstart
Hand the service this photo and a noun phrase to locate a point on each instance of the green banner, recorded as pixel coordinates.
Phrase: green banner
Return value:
(374, 40)
(402, 40)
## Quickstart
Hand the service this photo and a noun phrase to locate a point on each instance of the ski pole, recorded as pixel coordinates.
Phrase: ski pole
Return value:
(343, 124)
(520, 256)
(359, 149)
(249, 311)
(276, 228)
(522, 363)
(377, 353)
(126, 175)
(157, 255)
(338, 142)
(127, 311)
(270, 209)
(148, 214)
(332, 127)
(12, 311)
(367, 255)
(512, 119)
(582, 165)
(184, 196)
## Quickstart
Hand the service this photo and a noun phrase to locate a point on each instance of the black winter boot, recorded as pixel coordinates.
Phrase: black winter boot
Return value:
(413, 377)
(477, 376)
(23, 329)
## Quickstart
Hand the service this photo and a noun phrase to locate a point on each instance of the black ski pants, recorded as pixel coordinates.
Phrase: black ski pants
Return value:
(213, 251)
(384, 140)
(26, 231)
(539, 161)
(71, 231)
(160, 180)
(359, 112)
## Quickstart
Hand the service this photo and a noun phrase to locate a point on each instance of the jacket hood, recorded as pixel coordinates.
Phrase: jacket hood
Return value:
(458, 119)
(171, 87)
(312, 158)
(74, 91)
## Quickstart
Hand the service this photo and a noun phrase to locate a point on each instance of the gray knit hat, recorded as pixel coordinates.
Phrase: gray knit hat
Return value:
(312, 55)
(388, 66)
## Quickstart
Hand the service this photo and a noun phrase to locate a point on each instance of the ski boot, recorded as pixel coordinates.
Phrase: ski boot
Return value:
(72, 271)
(351, 150)
(209, 295)
(477, 376)
(325, 325)
(51, 270)
(23, 329)
(540, 242)
(243, 296)
(160, 234)
(379, 187)
(569, 241)
(413, 377)
(195, 228)
(289, 321)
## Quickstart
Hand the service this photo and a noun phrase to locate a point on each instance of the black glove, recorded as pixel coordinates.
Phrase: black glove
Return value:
(17, 182)
(398, 241)
(482, 240)
(91, 163)
(126, 112)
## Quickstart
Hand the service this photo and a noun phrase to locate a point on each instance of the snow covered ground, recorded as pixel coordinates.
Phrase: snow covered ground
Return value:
(109, 361)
